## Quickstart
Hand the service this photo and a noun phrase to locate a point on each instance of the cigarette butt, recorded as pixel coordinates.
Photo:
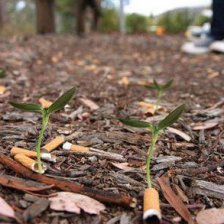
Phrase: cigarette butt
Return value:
(2, 89)
(29, 163)
(152, 213)
(45, 103)
(151, 108)
(54, 143)
(32, 154)
(16, 150)
(75, 148)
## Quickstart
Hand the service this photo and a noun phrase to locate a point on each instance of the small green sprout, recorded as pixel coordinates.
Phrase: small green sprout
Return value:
(2, 73)
(160, 89)
(155, 130)
(46, 112)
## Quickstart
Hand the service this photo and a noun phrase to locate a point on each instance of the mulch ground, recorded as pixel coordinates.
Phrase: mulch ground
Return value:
(110, 70)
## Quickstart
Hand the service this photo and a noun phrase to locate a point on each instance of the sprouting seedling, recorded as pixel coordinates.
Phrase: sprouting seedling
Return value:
(160, 89)
(155, 130)
(2, 73)
(46, 112)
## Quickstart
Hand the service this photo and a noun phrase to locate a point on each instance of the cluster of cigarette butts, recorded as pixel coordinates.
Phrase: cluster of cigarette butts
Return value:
(27, 157)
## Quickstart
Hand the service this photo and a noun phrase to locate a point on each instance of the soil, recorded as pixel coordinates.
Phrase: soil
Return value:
(110, 70)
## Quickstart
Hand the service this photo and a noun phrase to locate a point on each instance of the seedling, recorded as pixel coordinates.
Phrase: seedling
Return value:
(152, 212)
(160, 89)
(46, 112)
(155, 131)
(2, 73)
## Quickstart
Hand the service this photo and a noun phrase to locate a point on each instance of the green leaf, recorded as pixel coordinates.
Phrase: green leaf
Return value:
(61, 101)
(171, 118)
(135, 123)
(156, 84)
(167, 84)
(28, 107)
(2, 73)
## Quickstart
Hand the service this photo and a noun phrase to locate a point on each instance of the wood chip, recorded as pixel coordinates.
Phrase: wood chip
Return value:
(202, 187)
(89, 103)
(179, 133)
(206, 125)
(22, 184)
(35, 209)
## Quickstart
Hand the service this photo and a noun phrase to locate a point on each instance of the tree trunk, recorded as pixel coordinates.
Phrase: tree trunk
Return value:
(2, 14)
(45, 16)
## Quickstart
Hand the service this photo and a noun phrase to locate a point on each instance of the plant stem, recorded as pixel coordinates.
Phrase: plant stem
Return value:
(40, 139)
(149, 157)
(160, 93)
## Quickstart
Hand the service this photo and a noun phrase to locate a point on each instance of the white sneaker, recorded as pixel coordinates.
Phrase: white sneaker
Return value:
(192, 48)
(217, 46)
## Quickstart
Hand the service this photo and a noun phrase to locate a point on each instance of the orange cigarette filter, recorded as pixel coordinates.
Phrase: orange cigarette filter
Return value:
(151, 108)
(16, 150)
(32, 154)
(29, 163)
(54, 143)
(152, 213)
(2, 89)
(75, 148)
(45, 103)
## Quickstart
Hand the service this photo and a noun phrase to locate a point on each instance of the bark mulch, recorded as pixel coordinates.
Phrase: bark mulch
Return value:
(111, 70)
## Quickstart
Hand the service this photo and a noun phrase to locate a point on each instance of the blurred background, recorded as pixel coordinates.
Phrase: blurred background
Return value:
(18, 17)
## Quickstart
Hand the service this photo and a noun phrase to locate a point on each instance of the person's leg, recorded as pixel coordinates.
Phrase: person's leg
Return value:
(217, 24)
(80, 17)
(95, 5)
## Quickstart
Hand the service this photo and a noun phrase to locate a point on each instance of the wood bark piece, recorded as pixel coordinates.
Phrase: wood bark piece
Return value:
(175, 200)
(103, 196)
(208, 188)
(22, 184)
(36, 209)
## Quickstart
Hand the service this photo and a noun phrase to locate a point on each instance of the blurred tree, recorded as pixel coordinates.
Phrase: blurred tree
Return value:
(200, 20)
(176, 21)
(2, 14)
(45, 16)
(137, 23)
(109, 20)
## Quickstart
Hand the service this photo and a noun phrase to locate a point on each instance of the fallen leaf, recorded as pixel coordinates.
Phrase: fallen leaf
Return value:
(122, 166)
(71, 202)
(180, 133)
(214, 215)
(174, 200)
(181, 194)
(89, 103)
(6, 209)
